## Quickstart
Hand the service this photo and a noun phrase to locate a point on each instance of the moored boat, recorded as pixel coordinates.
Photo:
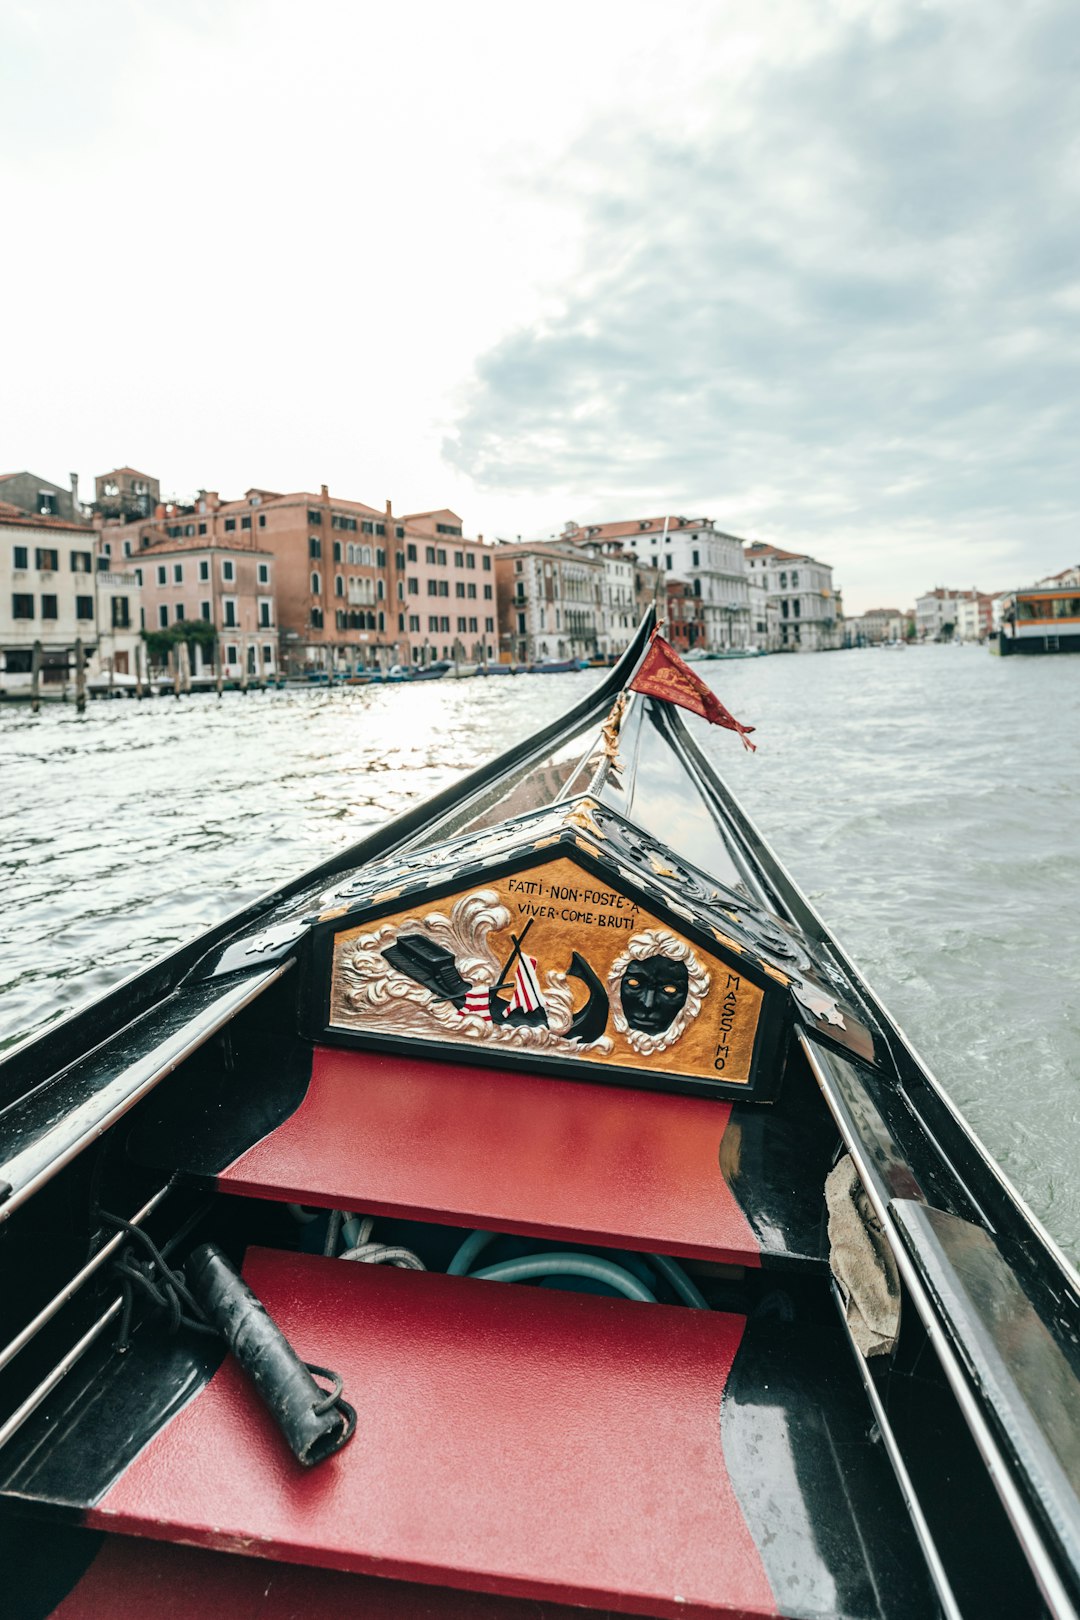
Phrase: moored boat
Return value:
(1039, 621)
(642, 1265)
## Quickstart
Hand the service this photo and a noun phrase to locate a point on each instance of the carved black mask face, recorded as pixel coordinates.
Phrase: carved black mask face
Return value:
(653, 992)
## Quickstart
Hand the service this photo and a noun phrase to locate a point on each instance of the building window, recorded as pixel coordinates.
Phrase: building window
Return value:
(121, 613)
(163, 617)
(444, 625)
(459, 559)
(489, 625)
(21, 557)
(399, 559)
(204, 612)
(178, 613)
(268, 652)
(245, 523)
(470, 590)
(459, 587)
(485, 563)
(314, 547)
(366, 526)
(202, 528)
(447, 528)
(429, 555)
(461, 626)
(315, 618)
(314, 517)
(341, 620)
(410, 552)
(487, 593)
(264, 615)
(84, 607)
(22, 607)
(433, 622)
(232, 654)
(337, 550)
(783, 582)
(48, 607)
(433, 587)
(189, 529)
(521, 624)
(46, 559)
(399, 533)
(46, 503)
(262, 520)
(413, 586)
(795, 579)
(796, 606)
(380, 557)
(339, 585)
(204, 568)
(178, 573)
(162, 574)
(414, 622)
(473, 626)
(228, 609)
(228, 568)
(316, 585)
(444, 587)
(230, 525)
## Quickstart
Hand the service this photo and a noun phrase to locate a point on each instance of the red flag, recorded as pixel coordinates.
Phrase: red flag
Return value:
(664, 675)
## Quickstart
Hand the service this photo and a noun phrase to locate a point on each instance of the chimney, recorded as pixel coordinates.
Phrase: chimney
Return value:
(479, 537)
(324, 492)
(74, 491)
(389, 509)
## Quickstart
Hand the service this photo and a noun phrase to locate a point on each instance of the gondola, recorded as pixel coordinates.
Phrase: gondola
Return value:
(528, 1211)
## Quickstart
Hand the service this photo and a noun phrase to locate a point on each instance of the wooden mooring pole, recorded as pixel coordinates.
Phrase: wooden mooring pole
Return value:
(80, 676)
(140, 655)
(35, 678)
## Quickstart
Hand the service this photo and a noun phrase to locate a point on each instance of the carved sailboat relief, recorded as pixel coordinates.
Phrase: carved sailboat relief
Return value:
(548, 961)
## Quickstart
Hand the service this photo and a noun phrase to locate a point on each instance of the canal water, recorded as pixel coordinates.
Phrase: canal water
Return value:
(925, 799)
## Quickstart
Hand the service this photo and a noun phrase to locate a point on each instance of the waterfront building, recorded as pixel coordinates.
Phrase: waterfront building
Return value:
(810, 612)
(874, 627)
(691, 549)
(936, 614)
(1053, 582)
(30, 493)
(218, 598)
(57, 588)
(685, 622)
(444, 592)
(974, 615)
(764, 612)
(550, 599)
(126, 494)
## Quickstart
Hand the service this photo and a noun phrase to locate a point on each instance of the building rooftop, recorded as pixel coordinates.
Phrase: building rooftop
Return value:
(38, 520)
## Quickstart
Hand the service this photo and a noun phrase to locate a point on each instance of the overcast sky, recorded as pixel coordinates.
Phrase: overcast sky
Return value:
(809, 267)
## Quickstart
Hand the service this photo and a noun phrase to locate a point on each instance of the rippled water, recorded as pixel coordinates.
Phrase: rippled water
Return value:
(925, 800)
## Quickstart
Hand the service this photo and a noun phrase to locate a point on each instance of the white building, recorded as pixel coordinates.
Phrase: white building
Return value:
(691, 549)
(764, 613)
(874, 627)
(55, 590)
(810, 613)
(936, 614)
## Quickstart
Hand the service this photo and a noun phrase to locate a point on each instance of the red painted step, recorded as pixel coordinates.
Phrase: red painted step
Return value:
(525, 1442)
(131, 1578)
(515, 1152)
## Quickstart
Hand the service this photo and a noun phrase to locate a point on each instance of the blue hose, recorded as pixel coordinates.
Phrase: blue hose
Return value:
(676, 1276)
(565, 1265)
(467, 1253)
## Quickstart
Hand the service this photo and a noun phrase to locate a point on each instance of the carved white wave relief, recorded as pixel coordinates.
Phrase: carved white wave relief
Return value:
(387, 999)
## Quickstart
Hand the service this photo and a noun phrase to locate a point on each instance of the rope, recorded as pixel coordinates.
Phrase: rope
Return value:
(162, 1286)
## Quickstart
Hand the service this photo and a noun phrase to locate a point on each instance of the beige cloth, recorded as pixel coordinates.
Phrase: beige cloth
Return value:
(862, 1263)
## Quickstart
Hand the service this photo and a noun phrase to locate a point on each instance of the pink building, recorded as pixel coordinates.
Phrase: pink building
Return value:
(445, 592)
(228, 587)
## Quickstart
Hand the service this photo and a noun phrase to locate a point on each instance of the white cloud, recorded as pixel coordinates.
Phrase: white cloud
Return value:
(807, 266)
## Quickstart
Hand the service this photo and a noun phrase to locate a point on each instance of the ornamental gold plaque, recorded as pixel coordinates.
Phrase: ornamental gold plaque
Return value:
(552, 962)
